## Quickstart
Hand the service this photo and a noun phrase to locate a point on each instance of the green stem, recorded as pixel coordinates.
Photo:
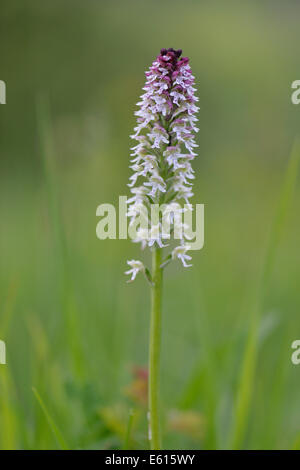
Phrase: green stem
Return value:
(154, 351)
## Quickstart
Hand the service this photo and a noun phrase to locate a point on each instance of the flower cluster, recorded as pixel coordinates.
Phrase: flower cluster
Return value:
(161, 160)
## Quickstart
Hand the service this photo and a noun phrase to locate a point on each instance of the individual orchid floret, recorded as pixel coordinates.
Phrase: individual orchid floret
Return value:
(136, 267)
(180, 253)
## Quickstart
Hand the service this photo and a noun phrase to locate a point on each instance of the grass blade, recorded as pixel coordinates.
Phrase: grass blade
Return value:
(127, 441)
(56, 432)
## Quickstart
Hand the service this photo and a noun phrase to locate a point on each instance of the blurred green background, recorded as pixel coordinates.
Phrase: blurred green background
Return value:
(74, 330)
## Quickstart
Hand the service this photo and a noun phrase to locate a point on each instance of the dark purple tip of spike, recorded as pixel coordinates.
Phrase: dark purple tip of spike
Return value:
(177, 52)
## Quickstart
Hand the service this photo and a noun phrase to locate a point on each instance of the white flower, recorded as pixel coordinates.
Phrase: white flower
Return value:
(157, 183)
(158, 135)
(156, 236)
(136, 266)
(142, 236)
(180, 253)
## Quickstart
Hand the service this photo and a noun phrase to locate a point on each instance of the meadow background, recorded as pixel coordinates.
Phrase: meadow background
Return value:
(76, 332)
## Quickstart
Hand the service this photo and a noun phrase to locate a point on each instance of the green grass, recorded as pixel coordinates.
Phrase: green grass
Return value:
(76, 341)
(56, 432)
(81, 328)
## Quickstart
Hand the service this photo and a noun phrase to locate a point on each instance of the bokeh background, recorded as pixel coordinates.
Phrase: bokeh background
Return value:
(76, 333)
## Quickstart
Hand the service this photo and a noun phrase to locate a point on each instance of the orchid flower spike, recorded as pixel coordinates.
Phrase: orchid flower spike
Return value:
(161, 159)
(162, 180)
